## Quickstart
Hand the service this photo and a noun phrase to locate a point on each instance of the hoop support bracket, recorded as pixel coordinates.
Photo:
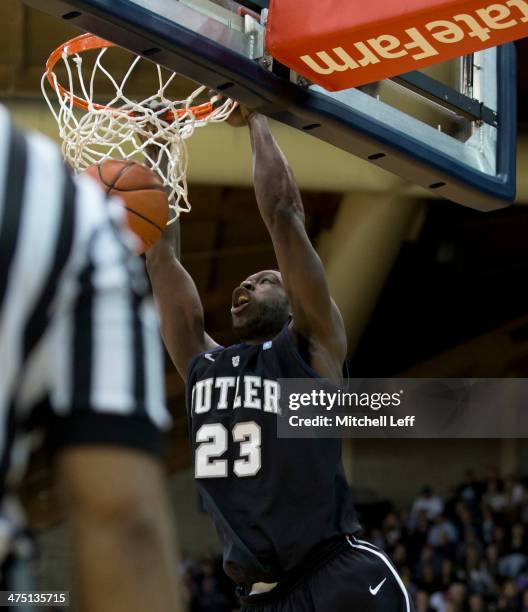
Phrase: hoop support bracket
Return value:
(449, 98)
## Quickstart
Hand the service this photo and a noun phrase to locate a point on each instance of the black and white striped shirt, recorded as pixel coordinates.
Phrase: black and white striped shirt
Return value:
(80, 354)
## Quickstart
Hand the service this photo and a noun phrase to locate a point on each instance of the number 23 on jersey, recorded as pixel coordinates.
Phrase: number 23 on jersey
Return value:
(212, 440)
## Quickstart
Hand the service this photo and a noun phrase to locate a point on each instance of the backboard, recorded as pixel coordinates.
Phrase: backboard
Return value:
(451, 129)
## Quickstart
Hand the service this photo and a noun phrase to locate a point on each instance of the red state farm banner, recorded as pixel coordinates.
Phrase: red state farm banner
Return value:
(346, 43)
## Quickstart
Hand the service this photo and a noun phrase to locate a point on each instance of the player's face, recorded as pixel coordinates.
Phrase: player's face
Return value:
(259, 306)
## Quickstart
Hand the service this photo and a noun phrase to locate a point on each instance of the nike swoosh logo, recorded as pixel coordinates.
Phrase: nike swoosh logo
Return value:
(210, 357)
(376, 590)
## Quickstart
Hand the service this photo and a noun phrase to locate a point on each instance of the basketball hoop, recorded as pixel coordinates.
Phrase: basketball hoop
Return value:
(155, 128)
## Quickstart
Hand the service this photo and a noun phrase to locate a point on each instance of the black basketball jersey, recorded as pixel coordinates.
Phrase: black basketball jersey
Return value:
(273, 500)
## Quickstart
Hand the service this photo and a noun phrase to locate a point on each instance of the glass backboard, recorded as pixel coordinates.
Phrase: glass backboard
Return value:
(451, 128)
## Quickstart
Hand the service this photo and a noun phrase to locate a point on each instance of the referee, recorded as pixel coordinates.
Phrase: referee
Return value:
(81, 361)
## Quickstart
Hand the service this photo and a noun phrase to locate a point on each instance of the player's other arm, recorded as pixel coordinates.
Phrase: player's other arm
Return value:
(179, 305)
(315, 315)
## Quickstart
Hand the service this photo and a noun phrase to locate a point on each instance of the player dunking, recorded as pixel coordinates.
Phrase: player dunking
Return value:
(281, 507)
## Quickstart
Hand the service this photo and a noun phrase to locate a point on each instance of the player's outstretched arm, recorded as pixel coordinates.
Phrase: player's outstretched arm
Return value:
(315, 315)
(179, 305)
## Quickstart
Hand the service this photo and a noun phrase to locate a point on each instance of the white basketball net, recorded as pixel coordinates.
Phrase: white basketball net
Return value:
(124, 128)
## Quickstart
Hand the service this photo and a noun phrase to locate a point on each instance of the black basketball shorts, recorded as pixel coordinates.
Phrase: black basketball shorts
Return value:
(359, 577)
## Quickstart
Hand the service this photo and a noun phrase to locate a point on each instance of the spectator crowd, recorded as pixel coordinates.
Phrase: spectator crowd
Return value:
(465, 552)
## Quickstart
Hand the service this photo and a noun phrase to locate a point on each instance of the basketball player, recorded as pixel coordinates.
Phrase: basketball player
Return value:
(80, 360)
(281, 507)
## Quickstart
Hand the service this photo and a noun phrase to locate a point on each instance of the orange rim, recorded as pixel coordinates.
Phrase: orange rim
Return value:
(90, 42)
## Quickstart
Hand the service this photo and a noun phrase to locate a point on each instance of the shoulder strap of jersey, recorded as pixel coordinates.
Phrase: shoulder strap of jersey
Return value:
(193, 362)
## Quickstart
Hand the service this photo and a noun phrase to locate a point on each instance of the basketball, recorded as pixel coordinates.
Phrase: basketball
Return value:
(142, 193)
